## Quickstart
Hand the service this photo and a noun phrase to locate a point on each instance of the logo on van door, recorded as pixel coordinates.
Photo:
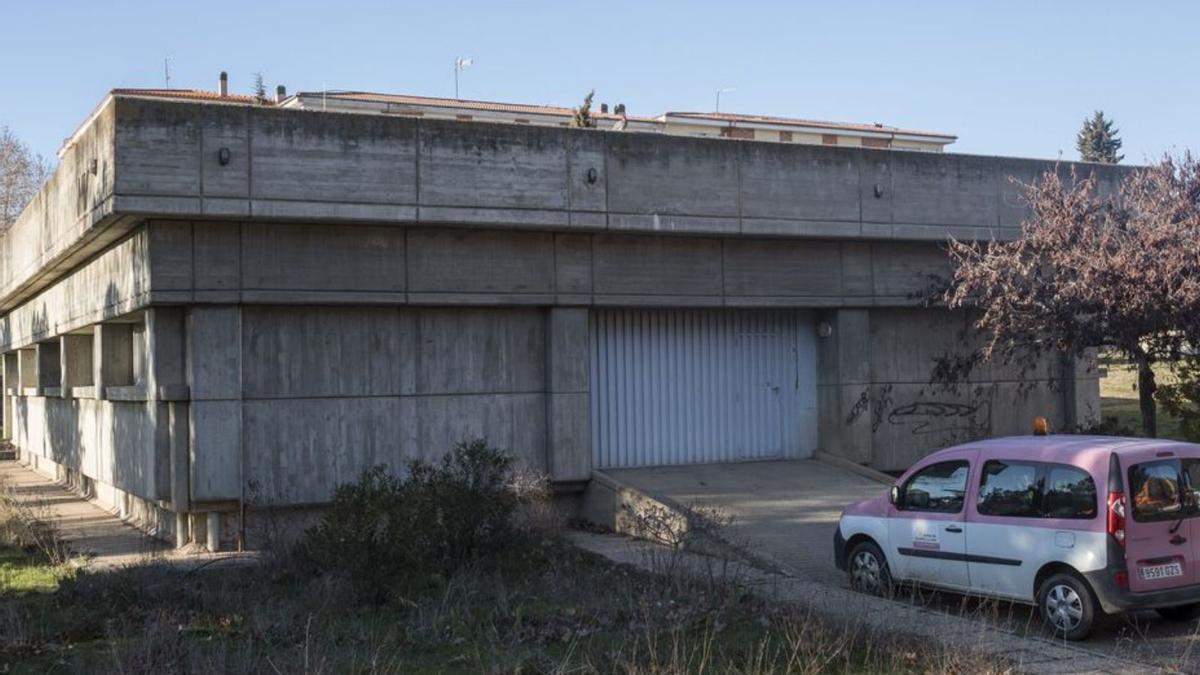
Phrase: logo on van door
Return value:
(927, 541)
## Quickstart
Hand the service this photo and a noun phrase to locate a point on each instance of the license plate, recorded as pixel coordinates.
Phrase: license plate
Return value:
(1161, 571)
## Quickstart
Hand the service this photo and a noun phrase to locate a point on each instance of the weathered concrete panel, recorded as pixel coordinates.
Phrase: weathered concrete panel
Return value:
(327, 351)
(157, 148)
(799, 182)
(481, 350)
(465, 261)
(474, 165)
(573, 263)
(323, 257)
(782, 268)
(657, 265)
(672, 176)
(902, 270)
(214, 370)
(215, 444)
(218, 256)
(298, 156)
(225, 151)
(586, 156)
(944, 190)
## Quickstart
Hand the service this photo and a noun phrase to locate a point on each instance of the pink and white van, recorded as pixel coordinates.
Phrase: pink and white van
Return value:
(1073, 524)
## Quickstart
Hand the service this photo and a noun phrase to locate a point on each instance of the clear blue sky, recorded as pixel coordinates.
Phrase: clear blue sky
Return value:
(1011, 78)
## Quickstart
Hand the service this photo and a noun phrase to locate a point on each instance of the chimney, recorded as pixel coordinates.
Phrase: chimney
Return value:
(280, 93)
(620, 109)
(604, 107)
(223, 84)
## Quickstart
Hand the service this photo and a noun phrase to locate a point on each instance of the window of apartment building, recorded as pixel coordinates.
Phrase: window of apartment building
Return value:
(738, 132)
(785, 136)
(876, 143)
(829, 139)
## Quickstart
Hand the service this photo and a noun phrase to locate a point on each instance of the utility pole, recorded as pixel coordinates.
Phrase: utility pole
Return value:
(460, 64)
(167, 72)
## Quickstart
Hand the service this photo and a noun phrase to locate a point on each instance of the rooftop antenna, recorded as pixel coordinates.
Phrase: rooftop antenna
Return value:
(726, 90)
(460, 64)
(167, 72)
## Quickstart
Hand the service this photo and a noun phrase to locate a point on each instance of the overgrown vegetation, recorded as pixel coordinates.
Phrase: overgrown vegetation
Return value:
(1092, 269)
(430, 522)
(503, 592)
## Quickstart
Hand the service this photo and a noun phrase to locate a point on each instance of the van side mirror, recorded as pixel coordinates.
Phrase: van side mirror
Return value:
(894, 495)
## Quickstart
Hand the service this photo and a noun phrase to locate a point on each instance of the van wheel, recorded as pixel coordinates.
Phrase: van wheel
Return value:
(1180, 613)
(868, 570)
(1067, 605)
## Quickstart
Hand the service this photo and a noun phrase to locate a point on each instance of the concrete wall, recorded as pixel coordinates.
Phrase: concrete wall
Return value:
(879, 405)
(275, 300)
(299, 263)
(141, 158)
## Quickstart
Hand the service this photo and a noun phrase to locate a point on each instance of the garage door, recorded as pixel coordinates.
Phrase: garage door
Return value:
(682, 387)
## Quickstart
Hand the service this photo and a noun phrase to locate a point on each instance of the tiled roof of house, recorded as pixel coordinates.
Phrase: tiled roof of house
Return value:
(791, 121)
(193, 95)
(465, 104)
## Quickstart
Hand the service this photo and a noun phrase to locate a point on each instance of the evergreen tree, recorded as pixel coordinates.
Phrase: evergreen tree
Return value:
(260, 89)
(1098, 141)
(583, 114)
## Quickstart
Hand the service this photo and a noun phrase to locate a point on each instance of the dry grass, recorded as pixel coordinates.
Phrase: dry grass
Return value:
(543, 606)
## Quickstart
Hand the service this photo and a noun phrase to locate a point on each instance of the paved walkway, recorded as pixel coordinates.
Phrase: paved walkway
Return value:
(1033, 655)
(97, 538)
(784, 510)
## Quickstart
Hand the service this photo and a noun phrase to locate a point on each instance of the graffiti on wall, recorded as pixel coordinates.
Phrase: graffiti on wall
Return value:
(923, 416)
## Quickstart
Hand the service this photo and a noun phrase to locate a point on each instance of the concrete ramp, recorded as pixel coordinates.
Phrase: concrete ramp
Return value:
(783, 511)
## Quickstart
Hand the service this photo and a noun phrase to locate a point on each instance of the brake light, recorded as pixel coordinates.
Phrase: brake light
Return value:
(1116, 516)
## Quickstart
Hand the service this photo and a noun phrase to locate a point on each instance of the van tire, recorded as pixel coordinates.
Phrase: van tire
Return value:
(1067, 606)
(868, 570)
(1180, 613)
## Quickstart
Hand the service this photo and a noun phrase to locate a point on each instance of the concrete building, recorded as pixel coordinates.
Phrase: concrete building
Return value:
(214, 307)
(698, 124)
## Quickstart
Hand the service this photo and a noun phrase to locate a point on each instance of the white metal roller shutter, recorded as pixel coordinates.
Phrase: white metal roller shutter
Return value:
(701, 386)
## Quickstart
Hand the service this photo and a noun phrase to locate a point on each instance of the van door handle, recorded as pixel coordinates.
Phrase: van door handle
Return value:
(953, 528)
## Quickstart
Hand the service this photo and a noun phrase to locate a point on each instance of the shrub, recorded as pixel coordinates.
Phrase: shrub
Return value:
(382, 531)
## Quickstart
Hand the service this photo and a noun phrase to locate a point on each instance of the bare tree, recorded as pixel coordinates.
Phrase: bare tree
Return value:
(22, 173)
(1120, 271)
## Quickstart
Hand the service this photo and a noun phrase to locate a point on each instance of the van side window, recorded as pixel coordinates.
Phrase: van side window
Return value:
(939, 488)
(1070, 493)
(1010, 489)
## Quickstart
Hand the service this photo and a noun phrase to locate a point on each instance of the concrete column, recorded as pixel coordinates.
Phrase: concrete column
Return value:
(1081, 390)
(213, 531)
(12, 383)
(112, 360)
(214, 378)
(568, 397)
(844, 394)
(75, 351)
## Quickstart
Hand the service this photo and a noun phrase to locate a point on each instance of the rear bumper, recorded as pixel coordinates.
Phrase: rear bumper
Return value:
(839, 548)
(1114, 599)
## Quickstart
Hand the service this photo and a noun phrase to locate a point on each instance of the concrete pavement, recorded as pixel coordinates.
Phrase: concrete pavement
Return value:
(786, 511)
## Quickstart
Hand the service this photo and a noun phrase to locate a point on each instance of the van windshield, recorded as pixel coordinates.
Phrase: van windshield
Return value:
(1164, 490)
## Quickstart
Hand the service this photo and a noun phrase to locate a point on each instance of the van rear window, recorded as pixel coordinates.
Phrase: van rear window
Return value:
(1155, 490)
